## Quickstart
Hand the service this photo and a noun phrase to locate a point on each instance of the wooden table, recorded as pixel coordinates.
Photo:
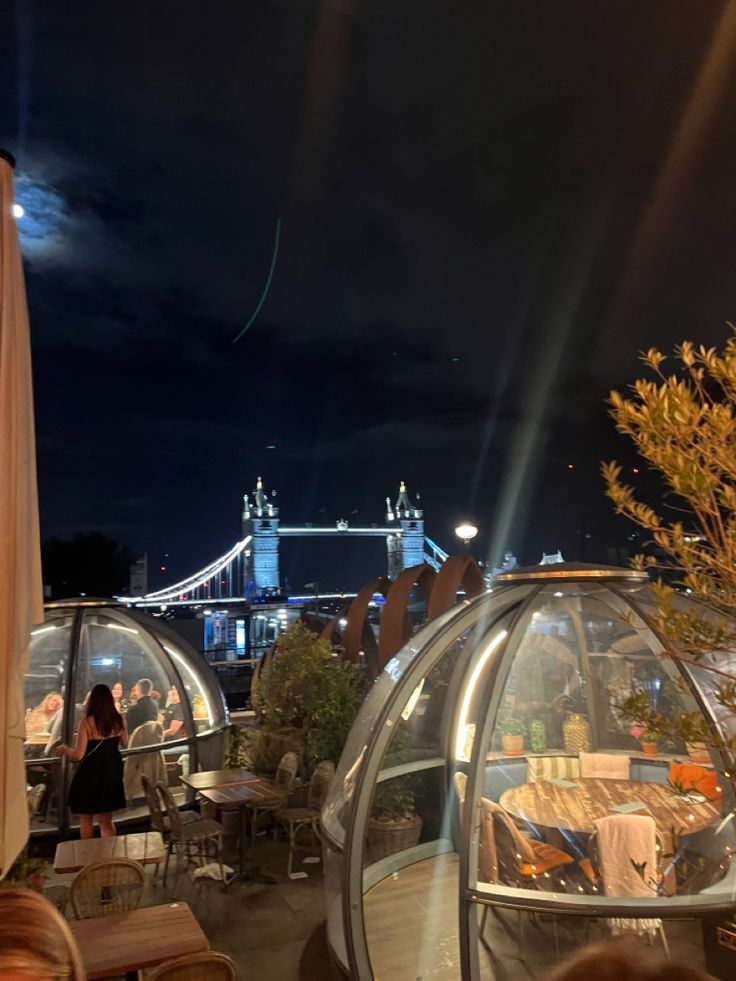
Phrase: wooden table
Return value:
(147, 848)
(238, 798)
(127, 942)
(550, 805)
(217, 778)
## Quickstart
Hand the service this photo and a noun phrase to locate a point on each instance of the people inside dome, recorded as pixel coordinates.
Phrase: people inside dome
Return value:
(144, 708)
(173, 716)
(41, 718)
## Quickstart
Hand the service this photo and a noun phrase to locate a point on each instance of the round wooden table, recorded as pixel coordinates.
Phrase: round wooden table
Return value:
(553, 806)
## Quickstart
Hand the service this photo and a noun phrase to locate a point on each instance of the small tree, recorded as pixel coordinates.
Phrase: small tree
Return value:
(306, 687)
(684, 425)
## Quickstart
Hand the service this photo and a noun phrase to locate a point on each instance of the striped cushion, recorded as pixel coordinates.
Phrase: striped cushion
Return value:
(548, 767)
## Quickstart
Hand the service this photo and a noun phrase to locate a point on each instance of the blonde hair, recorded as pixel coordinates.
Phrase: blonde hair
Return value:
(35, 938)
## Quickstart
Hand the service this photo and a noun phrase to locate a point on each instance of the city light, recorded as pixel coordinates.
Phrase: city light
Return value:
(466, 532)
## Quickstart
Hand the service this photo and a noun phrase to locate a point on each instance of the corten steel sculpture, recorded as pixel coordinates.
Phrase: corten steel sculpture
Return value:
(439, 591)
(457, 571)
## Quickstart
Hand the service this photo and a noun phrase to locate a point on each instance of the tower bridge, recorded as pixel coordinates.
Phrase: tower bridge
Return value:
(250, 570)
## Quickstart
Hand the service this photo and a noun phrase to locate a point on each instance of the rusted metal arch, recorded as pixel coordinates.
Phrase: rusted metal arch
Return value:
(395, 626)
(352, 635)
(456, 571)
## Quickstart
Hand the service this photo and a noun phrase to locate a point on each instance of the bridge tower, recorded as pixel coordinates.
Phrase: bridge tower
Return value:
(261, 520)
(406, 545)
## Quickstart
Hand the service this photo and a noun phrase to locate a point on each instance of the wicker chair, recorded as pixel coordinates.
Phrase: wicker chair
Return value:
(284, 781)
(293, 819)
(108, 887)
(159, 820)
(33, 798)
(209, 964)
(191, 839)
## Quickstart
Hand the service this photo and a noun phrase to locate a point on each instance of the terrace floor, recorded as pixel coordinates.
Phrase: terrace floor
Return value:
(274, 927)
(270, 929)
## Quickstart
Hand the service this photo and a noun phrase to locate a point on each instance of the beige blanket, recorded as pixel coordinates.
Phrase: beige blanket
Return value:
(627, 852)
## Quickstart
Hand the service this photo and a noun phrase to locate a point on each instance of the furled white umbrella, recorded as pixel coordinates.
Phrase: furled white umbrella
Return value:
(21, 589)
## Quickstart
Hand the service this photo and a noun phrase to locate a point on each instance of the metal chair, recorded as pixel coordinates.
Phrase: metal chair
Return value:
(192, 839)
(193, 967)
(108, 887)
(284, 781)
(293, 819)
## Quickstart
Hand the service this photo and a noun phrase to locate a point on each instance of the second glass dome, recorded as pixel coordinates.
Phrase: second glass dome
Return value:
(492, 769)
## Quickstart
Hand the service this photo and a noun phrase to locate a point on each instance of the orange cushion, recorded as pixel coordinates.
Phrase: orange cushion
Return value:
(587, 866)
(546, 857)
(688, 776)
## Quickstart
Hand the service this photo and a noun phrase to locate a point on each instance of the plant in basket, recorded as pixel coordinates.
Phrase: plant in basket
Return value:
(394, 824)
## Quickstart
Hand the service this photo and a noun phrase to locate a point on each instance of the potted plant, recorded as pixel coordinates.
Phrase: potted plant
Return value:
(648, 742)
(394, 824)
(512, 731)
(307, 697)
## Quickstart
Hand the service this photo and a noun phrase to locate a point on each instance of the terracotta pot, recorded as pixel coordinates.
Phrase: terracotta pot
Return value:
(648, 748)
(513, 745)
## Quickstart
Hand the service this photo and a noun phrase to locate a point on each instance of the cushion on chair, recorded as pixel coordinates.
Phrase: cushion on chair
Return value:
(550, 767)
(691, 777)
(607, 766)
(546, 857)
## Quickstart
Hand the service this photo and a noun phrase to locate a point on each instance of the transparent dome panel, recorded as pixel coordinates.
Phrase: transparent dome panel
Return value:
(578, 798)
(44, 686)
(413, 826)
(204, 696)
(427, 708)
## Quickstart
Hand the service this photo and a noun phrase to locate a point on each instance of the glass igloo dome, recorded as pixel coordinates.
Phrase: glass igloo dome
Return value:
(169, 697)
(494, 809)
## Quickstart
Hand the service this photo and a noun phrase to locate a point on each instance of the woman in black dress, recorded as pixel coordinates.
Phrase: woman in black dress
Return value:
(97, 787)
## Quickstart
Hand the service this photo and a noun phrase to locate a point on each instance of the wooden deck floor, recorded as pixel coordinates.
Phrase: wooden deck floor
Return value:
(412, 929)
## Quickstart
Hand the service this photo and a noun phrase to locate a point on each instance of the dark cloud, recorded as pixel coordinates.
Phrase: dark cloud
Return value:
(460, 189)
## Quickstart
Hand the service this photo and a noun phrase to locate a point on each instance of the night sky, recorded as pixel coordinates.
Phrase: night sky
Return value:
(486, 211)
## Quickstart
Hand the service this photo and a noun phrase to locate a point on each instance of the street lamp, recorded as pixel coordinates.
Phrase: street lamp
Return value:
(466, 532)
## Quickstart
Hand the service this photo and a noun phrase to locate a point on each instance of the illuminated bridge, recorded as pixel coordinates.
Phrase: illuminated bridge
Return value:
(250, 569)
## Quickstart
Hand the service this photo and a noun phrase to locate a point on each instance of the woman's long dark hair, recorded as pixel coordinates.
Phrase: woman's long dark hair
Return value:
(101, 708)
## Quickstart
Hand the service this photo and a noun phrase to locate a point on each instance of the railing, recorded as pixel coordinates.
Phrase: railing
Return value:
(433, 554)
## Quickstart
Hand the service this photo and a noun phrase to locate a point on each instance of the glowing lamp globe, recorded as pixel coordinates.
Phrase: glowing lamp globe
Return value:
(466, 532)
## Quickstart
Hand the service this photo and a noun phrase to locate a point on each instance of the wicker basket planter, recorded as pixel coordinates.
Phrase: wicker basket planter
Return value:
(388, 837)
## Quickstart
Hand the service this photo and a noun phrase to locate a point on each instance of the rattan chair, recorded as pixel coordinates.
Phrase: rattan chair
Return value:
(193, 967)
(284, 781)
(108, 887)
(293, 819)
(33, 798)
(159, 820)
(193, 840)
